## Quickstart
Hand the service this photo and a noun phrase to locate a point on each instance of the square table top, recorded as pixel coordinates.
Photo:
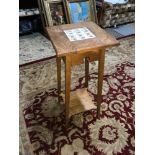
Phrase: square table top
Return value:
(64, 46)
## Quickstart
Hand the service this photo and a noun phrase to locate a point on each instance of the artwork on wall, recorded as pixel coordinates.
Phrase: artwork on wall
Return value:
(80, 10)
(54, 12)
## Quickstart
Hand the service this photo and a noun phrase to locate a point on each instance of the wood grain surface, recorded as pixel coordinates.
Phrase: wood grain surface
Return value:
(77, 52)
(80, 101)
(63, 45)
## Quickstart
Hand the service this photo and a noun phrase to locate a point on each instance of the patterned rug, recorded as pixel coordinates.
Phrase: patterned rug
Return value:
(122, 31)
(34, 47)
(42, 118)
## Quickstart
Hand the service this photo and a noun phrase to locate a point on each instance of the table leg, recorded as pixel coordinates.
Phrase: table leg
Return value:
(86, 71)
(67, 86)
(100, 80)
(59, 77)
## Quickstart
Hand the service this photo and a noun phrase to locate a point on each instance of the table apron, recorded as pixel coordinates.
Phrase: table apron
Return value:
(77, 59)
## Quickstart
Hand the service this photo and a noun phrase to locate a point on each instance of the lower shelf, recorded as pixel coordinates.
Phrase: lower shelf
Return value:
(80, 101)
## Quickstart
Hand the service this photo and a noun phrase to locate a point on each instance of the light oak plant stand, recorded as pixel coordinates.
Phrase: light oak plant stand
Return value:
(75, 53)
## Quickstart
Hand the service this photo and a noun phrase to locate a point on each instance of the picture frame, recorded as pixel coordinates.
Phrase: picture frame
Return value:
(55, 14)
(42, 13)
(80, 10)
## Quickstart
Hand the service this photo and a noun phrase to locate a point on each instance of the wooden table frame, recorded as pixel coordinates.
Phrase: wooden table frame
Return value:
(76, 59)
(75, 53)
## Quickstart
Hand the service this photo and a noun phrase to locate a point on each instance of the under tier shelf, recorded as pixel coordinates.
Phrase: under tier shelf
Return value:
(80, 101)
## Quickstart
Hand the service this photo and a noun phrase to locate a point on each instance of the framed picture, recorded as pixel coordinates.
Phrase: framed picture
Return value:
(54, 12)
(80, 10)
(42, 13)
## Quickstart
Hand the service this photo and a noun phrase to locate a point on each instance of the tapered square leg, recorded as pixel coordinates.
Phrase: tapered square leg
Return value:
(100, 80)
(59, 77)
(67, 86)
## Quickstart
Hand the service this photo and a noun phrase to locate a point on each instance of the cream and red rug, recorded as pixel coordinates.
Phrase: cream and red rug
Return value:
(42, 118)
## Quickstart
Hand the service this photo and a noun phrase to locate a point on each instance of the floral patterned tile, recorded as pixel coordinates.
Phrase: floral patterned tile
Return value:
(34, 47)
